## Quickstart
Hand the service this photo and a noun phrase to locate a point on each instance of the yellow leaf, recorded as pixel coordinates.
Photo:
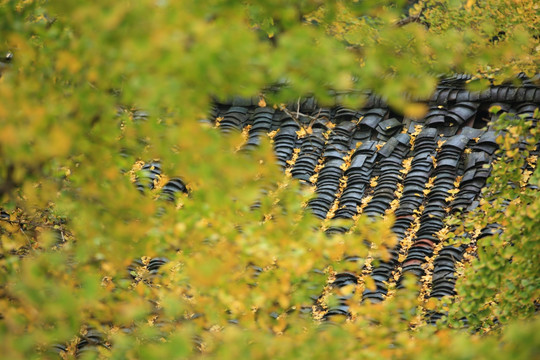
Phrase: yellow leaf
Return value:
(370, 283)
(406, 165)
(415, 110)
(271, 134)
(431, 304)
(139, 289)
(301, 133)
(68, 61)
(60, 142)
(417, 130)
(347, 289)
(8, 135)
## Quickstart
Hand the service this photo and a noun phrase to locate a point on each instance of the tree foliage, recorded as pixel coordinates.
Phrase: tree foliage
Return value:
(500, 286)
(91, 92)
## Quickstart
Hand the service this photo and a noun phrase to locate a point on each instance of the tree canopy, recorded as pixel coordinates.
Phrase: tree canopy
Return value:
(91, 94)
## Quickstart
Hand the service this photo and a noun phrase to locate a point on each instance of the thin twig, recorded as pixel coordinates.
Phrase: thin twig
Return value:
(27, 238)
(408, 20)
(18, 222)
(414, 18)
(296, 119)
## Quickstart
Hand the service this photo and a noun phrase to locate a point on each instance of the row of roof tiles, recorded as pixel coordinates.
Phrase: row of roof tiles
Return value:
(357, 161)
(419, 170)
(449, 158)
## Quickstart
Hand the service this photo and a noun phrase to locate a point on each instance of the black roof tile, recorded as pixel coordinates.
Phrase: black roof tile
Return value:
(456, 115)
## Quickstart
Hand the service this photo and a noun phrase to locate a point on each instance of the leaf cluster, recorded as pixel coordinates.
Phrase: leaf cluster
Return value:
(92, 92)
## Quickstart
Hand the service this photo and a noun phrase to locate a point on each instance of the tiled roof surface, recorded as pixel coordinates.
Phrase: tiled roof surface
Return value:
(373, 161)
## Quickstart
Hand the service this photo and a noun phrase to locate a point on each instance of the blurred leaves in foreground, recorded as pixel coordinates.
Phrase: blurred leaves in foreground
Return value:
(236, 282)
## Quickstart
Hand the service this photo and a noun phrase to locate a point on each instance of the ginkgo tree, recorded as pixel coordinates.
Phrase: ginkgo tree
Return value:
(92, 92)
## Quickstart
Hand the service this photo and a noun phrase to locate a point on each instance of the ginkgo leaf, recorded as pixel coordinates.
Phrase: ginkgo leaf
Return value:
(415, 110)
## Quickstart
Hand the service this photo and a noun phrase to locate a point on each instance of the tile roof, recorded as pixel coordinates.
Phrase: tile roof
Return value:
(374, 161)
